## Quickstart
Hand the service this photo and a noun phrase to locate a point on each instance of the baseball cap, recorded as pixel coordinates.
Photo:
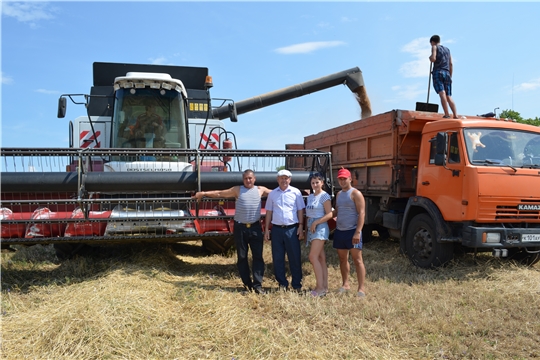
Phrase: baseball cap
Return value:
(343, 173)
(284, 172)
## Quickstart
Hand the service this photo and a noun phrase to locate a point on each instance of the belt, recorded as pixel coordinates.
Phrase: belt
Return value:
(285, 226)
(247, 225)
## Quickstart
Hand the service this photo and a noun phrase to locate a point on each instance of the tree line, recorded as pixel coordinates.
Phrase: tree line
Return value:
(511, 114)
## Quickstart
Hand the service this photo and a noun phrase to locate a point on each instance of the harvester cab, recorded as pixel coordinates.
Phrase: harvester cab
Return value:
(147, 107)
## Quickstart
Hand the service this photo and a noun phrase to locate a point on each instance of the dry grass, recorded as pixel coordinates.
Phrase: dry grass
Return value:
(179, 303)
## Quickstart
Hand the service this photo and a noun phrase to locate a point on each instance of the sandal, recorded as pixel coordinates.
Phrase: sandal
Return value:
(361, 294)
(342, 290)
(318, 294)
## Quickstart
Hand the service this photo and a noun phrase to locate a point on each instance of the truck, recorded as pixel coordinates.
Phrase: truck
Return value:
(441, 186)
(152, 136)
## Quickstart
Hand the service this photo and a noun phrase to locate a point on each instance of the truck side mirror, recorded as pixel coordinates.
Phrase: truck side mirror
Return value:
(232, 112)
(441, 142)
(62, 102)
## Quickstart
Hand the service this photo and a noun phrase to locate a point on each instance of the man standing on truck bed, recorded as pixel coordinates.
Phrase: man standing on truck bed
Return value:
(349, 213)
(285, 209)
(247, 227)
(442, 75)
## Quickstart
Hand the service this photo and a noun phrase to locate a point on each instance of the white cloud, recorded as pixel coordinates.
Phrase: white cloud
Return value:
(420, 50)
(159, 61)
(324, 25)
(528, 86)
(308, 47)
(347, 19)
(6, 79)
(411, 92)
(27, 12)
(48, 92)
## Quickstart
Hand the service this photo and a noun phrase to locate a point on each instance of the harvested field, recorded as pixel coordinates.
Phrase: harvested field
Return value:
(177, 302)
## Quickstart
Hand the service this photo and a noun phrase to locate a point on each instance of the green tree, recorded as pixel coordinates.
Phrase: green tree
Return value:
(511, 114)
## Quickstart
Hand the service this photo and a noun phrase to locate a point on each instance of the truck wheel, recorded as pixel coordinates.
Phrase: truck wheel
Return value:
(523, 257)
(422, 246)
(218, 246)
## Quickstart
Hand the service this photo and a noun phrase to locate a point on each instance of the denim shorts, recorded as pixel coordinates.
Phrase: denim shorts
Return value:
(343, 240)
(322, 231)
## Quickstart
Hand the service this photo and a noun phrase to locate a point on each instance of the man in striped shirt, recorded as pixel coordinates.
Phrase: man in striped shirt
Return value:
(247, 227)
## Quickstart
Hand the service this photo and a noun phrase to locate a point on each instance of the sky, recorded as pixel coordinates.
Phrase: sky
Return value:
(252, 48)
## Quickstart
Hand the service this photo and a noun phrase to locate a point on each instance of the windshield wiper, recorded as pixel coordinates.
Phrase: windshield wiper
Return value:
(530, 166)
(493, 162)
(487, 161)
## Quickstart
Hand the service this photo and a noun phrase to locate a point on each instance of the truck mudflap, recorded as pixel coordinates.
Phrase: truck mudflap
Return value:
(41, 204)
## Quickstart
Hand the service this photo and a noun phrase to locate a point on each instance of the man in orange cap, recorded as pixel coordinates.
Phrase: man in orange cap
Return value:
(349, 213)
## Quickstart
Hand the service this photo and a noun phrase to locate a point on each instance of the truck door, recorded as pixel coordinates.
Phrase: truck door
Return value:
(444, 184)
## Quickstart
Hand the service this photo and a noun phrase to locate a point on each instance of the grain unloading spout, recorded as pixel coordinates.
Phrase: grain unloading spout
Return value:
(351, 77)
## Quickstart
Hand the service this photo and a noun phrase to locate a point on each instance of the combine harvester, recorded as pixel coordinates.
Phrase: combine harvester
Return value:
(151, 138)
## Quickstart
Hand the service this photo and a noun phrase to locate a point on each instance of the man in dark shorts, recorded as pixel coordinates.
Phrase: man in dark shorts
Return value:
(350, 212)
(442, 75)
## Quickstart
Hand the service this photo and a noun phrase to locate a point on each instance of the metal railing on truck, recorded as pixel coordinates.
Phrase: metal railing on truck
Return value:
(101, 196)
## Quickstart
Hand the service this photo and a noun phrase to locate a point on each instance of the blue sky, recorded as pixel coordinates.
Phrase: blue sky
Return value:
(252, 48)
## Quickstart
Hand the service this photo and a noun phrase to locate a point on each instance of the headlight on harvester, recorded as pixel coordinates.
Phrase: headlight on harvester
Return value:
(491, 238)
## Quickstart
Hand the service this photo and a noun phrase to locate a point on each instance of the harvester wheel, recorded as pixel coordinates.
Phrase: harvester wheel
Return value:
(422, 246)
(68, 251)
(218, 246)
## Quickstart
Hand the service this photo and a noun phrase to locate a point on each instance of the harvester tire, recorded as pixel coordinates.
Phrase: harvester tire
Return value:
(422, 246)
(218, 246)
(68, 251)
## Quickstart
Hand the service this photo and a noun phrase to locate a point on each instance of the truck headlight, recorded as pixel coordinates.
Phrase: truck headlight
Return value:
(491, 237)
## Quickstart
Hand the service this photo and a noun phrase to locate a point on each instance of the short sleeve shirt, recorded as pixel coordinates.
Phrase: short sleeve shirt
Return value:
(315, 205)
(284, 205)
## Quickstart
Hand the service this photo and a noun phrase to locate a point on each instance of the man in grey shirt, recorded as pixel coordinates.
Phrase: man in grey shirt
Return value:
(247, 227)
(349, 213)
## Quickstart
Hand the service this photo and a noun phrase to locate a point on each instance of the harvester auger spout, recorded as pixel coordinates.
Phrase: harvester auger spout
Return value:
(351, 77)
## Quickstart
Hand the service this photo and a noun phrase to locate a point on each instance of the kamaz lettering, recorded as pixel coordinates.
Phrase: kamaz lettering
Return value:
(530, 207)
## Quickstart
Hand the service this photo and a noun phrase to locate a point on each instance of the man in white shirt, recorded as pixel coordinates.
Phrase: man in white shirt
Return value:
(285, 211)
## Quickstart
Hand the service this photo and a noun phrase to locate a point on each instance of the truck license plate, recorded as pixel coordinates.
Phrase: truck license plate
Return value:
(530, 237)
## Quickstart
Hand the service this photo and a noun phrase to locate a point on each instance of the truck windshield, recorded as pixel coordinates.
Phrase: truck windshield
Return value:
(149, 118)
(496, 147)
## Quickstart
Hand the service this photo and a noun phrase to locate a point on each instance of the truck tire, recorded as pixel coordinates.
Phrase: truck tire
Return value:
(218, 246)
(422, 246)
(523, 257)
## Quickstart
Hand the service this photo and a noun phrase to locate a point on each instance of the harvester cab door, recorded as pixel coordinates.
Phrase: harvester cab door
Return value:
(85, 138)
(443, 184)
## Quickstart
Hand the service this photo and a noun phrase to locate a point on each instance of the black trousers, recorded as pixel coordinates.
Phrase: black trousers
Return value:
(249, 238)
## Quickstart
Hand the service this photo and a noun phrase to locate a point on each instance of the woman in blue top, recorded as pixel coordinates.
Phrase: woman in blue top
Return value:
(318, 212)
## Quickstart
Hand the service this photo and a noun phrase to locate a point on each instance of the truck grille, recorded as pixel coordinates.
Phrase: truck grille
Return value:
(504, 209)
